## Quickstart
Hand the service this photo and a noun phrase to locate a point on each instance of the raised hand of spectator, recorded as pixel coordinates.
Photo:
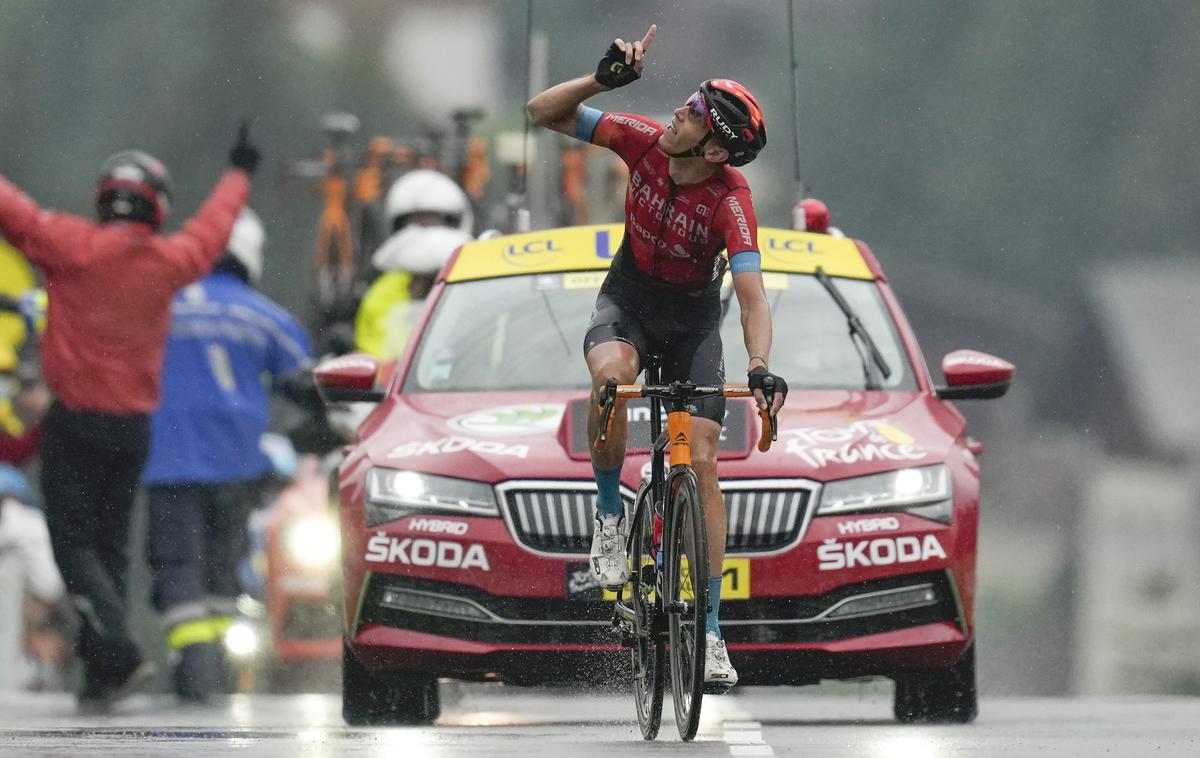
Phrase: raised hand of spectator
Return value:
(244, 154)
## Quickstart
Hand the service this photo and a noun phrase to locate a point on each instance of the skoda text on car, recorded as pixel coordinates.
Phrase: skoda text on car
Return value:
(467, 502)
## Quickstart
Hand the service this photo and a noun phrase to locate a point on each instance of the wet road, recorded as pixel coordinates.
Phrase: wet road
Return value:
(489, 721)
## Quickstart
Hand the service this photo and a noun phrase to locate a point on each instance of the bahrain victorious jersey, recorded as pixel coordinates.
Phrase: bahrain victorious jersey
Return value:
(673, 233)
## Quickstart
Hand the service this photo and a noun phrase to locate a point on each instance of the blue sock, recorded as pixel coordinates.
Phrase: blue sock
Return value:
(714, 599)
(608, 494)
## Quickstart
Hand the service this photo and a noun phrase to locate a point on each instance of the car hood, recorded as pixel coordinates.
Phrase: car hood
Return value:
(491, 437)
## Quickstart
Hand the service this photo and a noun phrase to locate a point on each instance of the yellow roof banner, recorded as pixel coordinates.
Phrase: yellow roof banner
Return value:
(572, 248)
(588, 248)
(790, 252)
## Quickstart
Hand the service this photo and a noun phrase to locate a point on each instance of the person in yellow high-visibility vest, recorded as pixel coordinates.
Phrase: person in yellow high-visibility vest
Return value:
(16, 280)
(22, 316)
(430, 217)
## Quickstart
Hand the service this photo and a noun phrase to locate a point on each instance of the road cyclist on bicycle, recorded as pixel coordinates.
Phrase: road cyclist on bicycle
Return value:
(685, 204)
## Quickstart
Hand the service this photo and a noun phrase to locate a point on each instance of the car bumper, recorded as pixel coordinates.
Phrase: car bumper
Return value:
(928, 646)
(780, 641)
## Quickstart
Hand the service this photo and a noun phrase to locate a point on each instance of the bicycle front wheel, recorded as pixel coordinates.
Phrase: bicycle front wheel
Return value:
(686, 580)
(648, 655)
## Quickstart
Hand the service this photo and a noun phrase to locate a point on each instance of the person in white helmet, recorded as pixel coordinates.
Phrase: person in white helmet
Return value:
(205, 460)
(430, 217)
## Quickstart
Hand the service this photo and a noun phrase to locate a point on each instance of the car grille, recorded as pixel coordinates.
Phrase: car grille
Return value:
(553, 519)
(764, 520)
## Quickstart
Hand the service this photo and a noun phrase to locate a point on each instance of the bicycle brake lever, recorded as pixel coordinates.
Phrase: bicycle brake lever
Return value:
(770, 422)
(608, 402)
(605, 420)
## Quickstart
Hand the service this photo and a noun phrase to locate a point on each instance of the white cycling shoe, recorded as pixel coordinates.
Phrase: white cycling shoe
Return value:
(719, 674)
(610, 565)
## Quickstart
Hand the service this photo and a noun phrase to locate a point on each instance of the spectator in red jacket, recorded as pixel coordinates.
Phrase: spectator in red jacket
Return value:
(110, 288)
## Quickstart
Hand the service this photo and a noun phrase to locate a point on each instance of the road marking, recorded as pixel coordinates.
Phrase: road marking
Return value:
(745, 738)
(743, 735)
(751, 750)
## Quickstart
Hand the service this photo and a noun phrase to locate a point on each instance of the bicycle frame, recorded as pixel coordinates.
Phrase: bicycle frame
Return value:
(678, 437)
(654, 543)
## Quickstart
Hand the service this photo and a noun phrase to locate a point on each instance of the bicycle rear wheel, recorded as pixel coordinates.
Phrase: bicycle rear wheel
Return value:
(647, 653)
(686, 580)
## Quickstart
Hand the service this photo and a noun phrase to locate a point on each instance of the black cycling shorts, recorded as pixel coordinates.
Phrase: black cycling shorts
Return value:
(684, 330)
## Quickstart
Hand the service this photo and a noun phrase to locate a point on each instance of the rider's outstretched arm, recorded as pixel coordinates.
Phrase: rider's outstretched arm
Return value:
(623, 62)
(557, 108)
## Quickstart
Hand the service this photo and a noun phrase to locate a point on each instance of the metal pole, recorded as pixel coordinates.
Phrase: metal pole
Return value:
(800, 189)
(522, 223)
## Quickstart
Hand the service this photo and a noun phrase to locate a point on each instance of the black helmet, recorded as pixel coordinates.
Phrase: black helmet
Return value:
(134, 186)
(735, 118)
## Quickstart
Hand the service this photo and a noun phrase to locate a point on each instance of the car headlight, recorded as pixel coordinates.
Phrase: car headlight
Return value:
(393, 494)
(312, 541)
(923, 491)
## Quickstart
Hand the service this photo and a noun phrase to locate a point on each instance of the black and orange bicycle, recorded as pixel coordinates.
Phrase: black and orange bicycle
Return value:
(662, 609)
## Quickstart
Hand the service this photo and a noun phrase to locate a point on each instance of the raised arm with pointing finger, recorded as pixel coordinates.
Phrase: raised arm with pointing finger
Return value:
(622, 63)
(110, 287)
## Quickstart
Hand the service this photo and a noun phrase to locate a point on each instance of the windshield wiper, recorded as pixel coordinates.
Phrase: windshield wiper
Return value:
(863, 344)
(554, 320)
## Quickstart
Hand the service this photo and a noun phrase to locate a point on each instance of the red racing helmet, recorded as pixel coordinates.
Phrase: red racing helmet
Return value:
(736, 119)
(134, 186)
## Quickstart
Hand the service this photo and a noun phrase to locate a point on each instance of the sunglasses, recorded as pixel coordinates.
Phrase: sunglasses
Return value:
(697, 107)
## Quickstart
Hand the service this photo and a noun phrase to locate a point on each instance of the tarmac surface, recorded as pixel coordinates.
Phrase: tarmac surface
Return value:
(491, 720)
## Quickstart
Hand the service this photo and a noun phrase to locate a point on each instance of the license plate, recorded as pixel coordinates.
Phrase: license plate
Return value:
(735, 582)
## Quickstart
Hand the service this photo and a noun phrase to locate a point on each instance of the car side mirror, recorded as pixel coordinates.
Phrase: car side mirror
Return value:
(349, 378)
(971, 375)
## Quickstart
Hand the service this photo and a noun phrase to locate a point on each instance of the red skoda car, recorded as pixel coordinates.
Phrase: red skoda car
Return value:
(467, 501)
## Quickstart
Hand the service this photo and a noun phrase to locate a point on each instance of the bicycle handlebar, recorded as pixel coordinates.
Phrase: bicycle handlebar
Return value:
(679, 391)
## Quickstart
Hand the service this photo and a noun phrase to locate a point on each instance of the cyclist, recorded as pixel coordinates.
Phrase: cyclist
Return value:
(110, 287)
(685, 203)
(205, 464)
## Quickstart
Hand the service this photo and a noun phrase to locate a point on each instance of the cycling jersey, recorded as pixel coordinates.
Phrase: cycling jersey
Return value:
(674, 234)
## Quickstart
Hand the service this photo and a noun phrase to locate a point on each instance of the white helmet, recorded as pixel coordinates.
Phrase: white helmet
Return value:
(430, 191)
(423, 249)
(246, 243)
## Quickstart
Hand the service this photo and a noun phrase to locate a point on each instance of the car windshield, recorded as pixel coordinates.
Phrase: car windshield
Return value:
(526, 333)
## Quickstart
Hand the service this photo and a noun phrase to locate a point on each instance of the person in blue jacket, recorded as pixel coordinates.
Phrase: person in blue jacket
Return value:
(229, 346)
